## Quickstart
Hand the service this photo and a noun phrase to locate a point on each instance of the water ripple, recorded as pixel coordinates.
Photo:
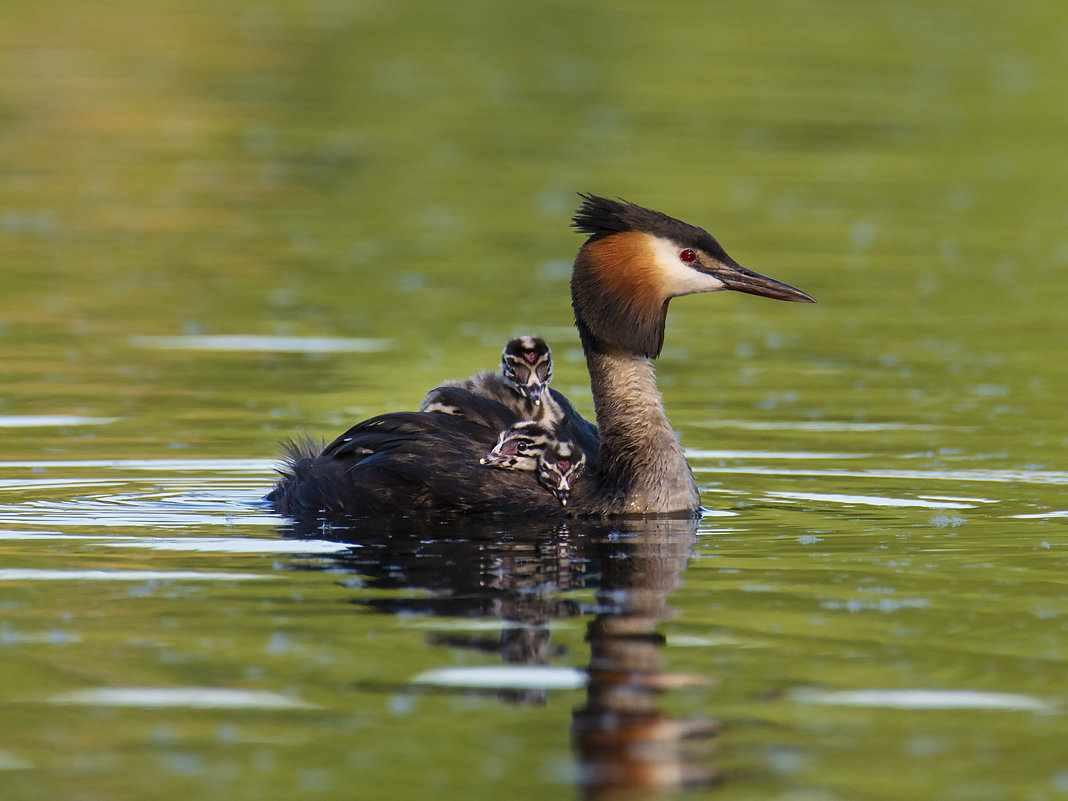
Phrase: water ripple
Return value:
(234, 545)
(198, 465)
(704, 454)
(129, 511)
(997, 476)
(31, 574)
(868, 500)
(821, 425)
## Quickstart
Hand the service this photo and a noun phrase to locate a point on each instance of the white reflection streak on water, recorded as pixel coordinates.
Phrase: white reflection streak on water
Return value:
(962, 499)
(106, 516)
(515, 677)
(134, 509)
(51, 420)
(704, 454)
(183, 697)
(54, 483)
(866, 500)
(234, 545)
(922, 699)
(822, 425)
(172, 502)
(32, 574)
(994, 476)
(199, 465)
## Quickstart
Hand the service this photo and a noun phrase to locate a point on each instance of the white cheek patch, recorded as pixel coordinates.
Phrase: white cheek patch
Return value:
(680, 278)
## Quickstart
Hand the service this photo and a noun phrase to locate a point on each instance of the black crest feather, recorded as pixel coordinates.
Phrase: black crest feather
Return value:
(601, 217)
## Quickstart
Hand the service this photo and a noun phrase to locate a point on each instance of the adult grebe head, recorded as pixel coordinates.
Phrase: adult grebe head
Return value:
(635, 261)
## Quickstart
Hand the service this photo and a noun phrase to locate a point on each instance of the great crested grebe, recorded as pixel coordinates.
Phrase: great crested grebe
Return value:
(527, 364)
(522, 386)
(526, 369)
(559, 466)
(519, 445)
(530, 445)
(417, 463)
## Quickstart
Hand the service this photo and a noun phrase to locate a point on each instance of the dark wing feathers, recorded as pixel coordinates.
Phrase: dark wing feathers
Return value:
(424, 462)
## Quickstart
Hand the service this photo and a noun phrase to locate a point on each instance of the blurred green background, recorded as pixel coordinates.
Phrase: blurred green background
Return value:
(406, 171)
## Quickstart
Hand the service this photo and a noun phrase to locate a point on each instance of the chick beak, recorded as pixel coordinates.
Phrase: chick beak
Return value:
(562, 491)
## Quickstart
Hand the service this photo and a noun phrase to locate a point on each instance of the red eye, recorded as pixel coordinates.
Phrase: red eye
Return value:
(688, 256)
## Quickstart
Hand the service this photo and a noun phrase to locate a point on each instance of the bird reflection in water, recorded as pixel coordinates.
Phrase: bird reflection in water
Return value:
(521, 575)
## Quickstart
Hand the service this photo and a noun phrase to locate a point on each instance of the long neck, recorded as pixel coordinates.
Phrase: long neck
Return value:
(643, 469)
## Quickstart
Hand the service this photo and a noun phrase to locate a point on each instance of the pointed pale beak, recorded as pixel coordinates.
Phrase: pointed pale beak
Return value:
(532, 391)
(496, 460)
(562, 491)
(735, 276)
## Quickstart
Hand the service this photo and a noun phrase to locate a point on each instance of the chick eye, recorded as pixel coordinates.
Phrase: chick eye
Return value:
(688, 256)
